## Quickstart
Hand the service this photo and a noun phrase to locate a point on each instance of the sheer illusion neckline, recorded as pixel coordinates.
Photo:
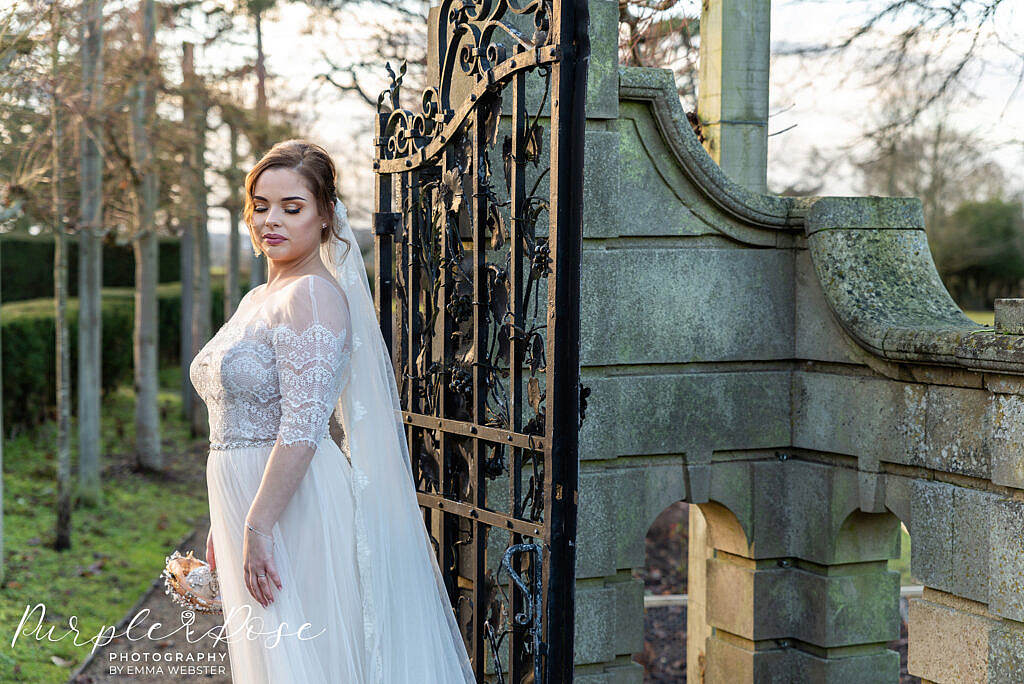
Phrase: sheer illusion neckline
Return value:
(263, 301)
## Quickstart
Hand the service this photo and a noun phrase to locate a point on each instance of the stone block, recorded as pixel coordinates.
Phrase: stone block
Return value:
(1007, 442)
(846, 607)
(884, 287)
(603, 206)
(819, 336)
(874, 419)
(972, 522)
(1009, 316)
(729, 662)
(629, 614)
(672, 203)
(1006, 585)
(957, 430)
(616, 509)
(692, 305)
(931, 534)
(630, 673)
(1006, 654)
(595, 628)
(595, 523)
(671, 413)
(947, 645)
(855, 213)
(609, 620)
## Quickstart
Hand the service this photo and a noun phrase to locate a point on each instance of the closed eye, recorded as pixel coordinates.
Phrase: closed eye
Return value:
(260, 210)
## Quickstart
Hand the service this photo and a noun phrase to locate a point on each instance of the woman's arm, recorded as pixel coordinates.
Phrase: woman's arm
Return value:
(310, 344)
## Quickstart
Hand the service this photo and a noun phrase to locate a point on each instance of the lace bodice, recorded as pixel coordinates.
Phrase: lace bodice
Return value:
(275, 369)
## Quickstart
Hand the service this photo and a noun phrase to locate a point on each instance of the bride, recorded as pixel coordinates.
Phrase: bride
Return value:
(325, 567)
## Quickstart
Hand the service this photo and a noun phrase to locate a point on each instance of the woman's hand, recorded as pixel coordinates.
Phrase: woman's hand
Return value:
(209, 551)
(258, 568)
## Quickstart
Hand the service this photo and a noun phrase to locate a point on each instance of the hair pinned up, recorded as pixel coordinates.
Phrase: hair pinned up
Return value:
(315, 166)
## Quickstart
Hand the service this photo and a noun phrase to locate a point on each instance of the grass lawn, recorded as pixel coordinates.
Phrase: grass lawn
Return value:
(118, 547)
(983, 317)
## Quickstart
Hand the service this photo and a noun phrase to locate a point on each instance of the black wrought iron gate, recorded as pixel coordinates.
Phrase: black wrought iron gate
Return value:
(471, 225)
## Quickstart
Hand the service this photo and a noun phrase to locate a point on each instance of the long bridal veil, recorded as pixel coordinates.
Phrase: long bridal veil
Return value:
(409, 626)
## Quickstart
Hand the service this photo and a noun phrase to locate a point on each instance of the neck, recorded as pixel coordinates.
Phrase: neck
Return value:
(311, 263)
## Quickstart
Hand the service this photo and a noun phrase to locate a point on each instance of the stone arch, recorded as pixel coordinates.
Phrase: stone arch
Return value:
(867, 536)
(661, 643)
(725, 531)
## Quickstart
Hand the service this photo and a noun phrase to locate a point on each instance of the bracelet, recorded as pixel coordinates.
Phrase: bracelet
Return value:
(262, 534)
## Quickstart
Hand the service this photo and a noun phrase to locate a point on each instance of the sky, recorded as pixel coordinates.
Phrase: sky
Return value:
(813, 104)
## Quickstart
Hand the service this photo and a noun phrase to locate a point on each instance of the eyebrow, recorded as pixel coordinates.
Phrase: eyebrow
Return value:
(283, 200)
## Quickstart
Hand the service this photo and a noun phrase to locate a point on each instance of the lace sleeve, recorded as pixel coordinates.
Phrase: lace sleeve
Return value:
(312, 349)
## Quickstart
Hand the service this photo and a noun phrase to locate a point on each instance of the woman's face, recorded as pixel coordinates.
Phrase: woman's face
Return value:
(284, 215)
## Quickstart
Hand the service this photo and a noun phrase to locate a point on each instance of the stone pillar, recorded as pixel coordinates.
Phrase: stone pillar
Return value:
(697, 628)
(732, 90)
(798, 583)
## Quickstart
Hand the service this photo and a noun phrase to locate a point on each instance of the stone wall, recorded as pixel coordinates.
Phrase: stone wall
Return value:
(796, 369)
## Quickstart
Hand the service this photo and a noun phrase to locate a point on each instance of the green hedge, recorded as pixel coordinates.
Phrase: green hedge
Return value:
(29, 353)
(28, 265)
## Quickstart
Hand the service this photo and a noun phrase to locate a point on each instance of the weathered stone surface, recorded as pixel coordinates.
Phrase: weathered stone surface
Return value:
(947, 645)
(602, 184)
(1006, 588)
(616, 508)
(957, 430)
(718, 304)
(1007, 442)
(973, 513)
(666, 413)
(858, 213)
(848, 606)
(931, 534)
(858, 416)
(818, 335)
(631, 673)
(1009, 316)
(885, 289)
(669, 201)
(608, 621)
(728, 662)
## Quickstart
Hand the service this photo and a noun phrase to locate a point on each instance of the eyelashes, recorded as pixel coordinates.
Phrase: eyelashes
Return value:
(260, 210)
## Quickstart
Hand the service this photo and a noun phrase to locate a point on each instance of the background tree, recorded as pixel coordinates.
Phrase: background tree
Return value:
(60, 275)
(145, 246)
(90, 256)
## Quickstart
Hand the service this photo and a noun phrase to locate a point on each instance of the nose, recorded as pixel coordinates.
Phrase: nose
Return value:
(273, 217)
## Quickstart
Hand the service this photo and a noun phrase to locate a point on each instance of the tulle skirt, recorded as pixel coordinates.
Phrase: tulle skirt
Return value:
(315, 546)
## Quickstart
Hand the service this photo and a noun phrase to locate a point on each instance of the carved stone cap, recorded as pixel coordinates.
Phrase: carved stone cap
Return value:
(1010, 316)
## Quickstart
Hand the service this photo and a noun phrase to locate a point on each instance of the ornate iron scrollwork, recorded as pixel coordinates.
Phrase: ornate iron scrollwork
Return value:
(487, 363)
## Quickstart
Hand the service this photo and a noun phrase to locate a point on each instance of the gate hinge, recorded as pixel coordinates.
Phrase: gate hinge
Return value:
(384, 222)
(584, 393)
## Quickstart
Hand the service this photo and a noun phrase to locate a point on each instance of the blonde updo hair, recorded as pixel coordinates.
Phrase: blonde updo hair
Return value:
(315, 166)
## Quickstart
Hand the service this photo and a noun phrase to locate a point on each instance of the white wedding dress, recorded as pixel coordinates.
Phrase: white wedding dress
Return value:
(272, 375)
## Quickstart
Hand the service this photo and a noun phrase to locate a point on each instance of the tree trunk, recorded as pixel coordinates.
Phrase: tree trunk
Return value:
(188, 392)
(257, 266)
(261, 89)
(231, 297)
(145, 339)
(90, 258)
(195, 110)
